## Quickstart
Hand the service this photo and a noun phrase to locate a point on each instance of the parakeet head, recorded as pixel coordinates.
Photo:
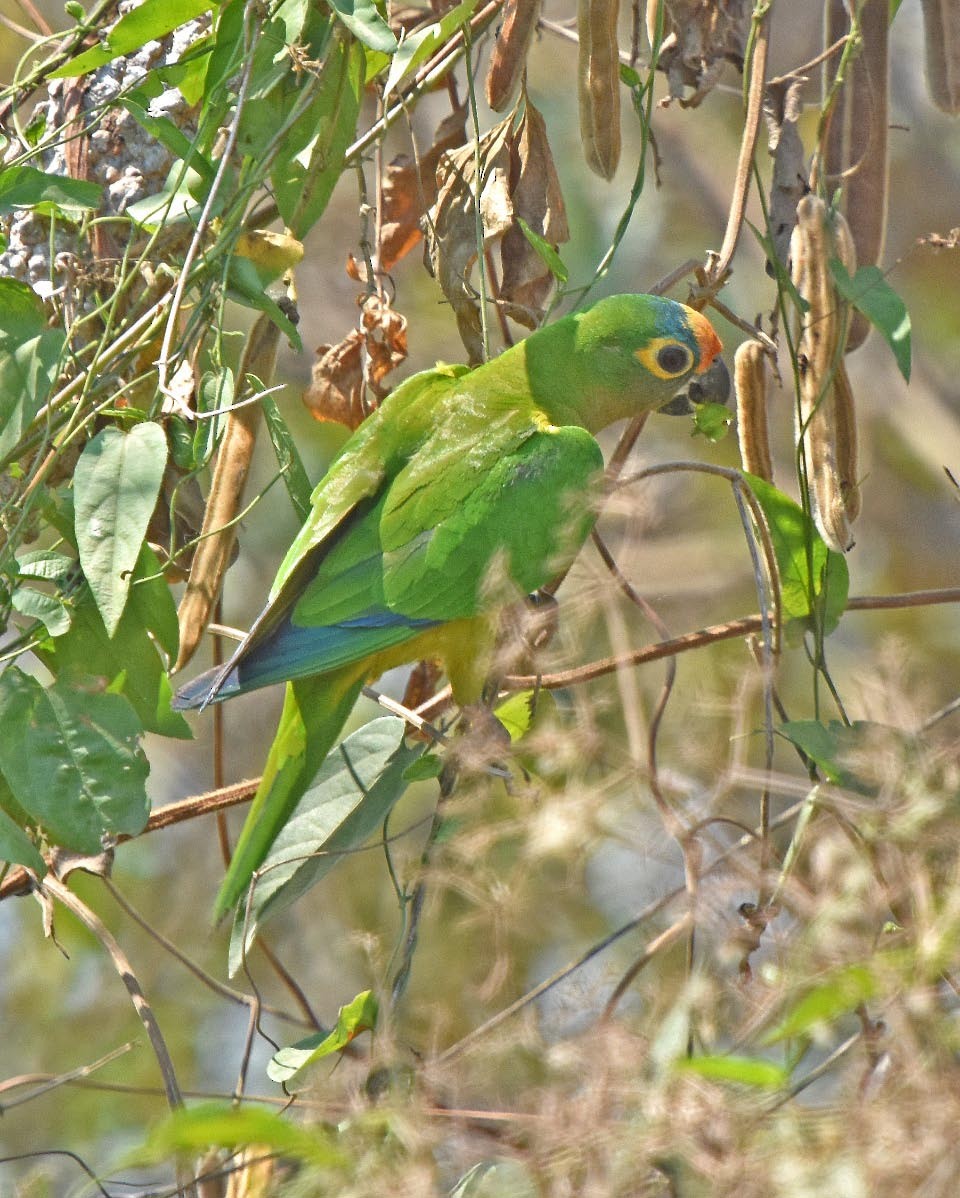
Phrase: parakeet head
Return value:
(624, 355)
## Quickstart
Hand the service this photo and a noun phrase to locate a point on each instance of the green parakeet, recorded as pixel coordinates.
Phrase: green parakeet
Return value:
(463, 491)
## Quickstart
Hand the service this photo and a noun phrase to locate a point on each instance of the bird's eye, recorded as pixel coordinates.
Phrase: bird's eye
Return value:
(674, 359)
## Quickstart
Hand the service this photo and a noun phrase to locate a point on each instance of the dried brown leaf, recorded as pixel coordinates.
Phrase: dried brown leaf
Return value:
(526, 282)
(337, 392)
(408, 193)
(452, 228)
(783, 107)
(700, 38)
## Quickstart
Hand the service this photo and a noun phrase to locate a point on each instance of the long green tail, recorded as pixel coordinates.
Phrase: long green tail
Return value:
(314, 711)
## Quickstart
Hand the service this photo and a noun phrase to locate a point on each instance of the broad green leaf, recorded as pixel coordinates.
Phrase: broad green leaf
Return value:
(179, 202)
(50, 610)
(28, 187)
(197, 1128)
(288, 459)
(748, 1071)
(116, 484)
(871, 294)
(72, 760)
(517, 713)
(813, 578)
(711, 420)
(417, 46)
(16, 847)
(128, 662)
(548, 254)
(304, 180)
(843, 992)
(424, 769)
(355, 790)
(827, 746)
(356, 1017)
(167, 134)
(150, 21)
(365, 23)
(28, 372)
(244, 286)
(46, 564)
(22, 315)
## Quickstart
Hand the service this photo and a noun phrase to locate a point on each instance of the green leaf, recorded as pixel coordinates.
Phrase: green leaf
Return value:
(288, 459)
(748, 1071)
(215, 1124)
(116, 484)
(365, 23)
(179, 202)
(167, 134)
(354, 792)
(548, 254)
(50, 610)
(828, 746)
(28, 372)
(417, 46)
(45, 564)
(424, 769)
(127, 662)
(21, 313)
(712, 420)
(72, 760)
(150, 21)
(871, 294)
(517, 713)
(356, 1017)
(16, 847)
(28, 187)
(303, 191)
(845, 990)
(813, 578)
(245, 288)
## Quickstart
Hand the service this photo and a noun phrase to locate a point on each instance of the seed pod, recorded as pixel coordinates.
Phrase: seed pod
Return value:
(828, 437)
(509, 58)
(598, 79)
(855, 154)
(750, 385)
(941, 33)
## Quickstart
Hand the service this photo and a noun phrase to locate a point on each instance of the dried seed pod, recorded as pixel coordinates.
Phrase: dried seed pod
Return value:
(509, 58)
(845, 436)
(855, 154)
(941, 33)
(598, 79)
(750, 386)
(812, 246)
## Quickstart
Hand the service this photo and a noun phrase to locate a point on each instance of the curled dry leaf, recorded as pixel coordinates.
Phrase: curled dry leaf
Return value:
(827, 429)
(365, 356)
(452, 223)
(409, 191)
(783, 106)
(700, 38)
(509, 58)
(750, 385)
(941, 35)
(526, 281)
(855, 154)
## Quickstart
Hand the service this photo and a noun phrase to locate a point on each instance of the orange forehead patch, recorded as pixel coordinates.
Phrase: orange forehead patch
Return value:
(710, 344)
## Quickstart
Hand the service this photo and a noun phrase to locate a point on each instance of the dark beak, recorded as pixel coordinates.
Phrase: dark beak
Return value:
(713, 386)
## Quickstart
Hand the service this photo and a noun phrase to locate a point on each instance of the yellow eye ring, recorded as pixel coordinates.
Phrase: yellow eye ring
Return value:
(665, 358)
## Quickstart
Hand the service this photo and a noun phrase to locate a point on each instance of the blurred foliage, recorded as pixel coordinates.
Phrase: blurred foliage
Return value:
(703, 939)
